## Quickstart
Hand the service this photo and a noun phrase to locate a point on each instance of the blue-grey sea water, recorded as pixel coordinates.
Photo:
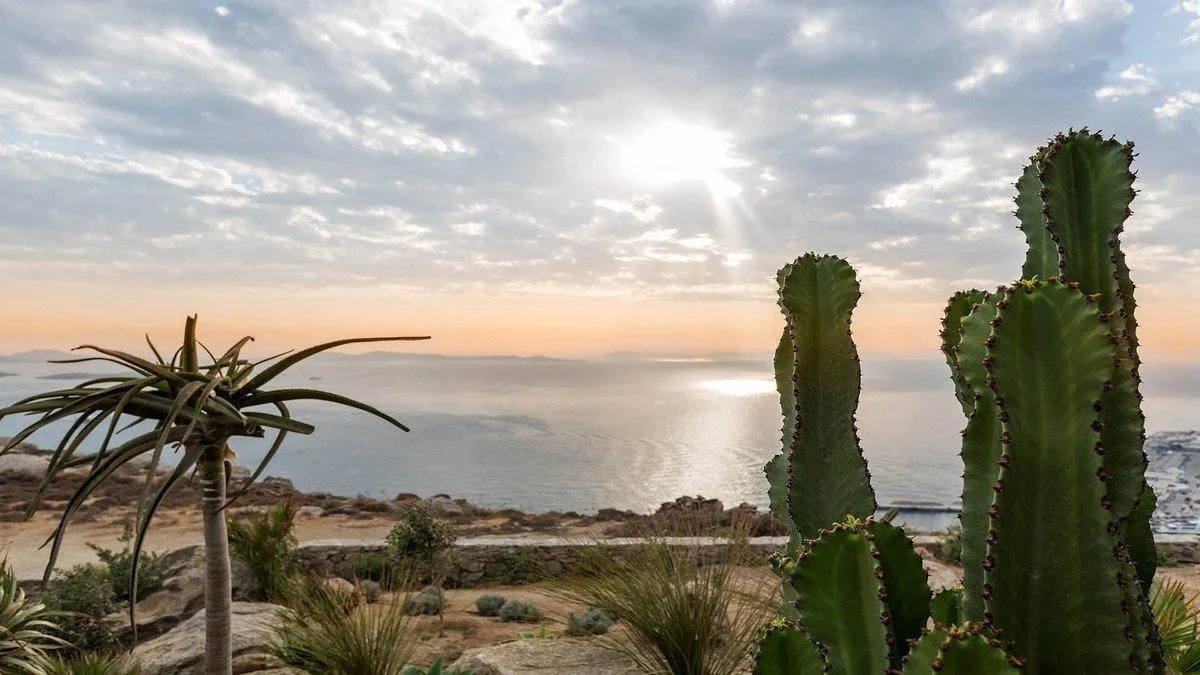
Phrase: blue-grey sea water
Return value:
(625, 433)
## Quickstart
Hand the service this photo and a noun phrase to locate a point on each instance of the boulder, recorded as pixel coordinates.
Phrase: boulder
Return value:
(181, 650)
(558, 657)
(181, 596)
(262, 664)
(444, 505)
(25, 465)
(350, 594)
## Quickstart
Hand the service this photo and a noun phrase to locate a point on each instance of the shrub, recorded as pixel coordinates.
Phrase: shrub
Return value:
(515, 610)
(371, 591)
(1178, 619)
(317, 635)
(430, 600)
(373, 566)
(266, 543)
(489, 605)
(83, 595)
(92, 664)
(26, 631)
(419, 536)
(680, 617)
(518, 567)
(948, 547)
(594, 621)
(152, 568)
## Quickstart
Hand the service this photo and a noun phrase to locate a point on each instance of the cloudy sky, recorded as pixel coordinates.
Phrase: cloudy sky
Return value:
(567, 177)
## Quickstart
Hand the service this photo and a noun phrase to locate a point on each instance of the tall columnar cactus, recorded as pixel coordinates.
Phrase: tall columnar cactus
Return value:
(821, 476)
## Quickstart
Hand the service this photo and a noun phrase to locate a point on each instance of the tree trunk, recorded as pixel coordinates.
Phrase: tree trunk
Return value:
(218, 594)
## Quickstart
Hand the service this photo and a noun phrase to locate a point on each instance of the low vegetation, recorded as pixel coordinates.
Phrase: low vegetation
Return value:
(27, 629)
(266, 544)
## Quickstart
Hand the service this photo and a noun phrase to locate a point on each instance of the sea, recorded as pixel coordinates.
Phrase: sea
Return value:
(544, 434)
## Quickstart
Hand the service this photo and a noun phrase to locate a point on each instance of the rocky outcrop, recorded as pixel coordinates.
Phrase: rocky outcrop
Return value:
(181, 650)
(547, 657)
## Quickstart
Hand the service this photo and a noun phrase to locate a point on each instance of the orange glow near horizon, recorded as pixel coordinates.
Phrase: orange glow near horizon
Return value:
(478, 325)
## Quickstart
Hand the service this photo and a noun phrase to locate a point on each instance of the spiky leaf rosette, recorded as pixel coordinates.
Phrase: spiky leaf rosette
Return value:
(783, 648)
(827, 477)
(861, 593)
(959, 650)
(1052, 551)
(189, 404)
(980, 446)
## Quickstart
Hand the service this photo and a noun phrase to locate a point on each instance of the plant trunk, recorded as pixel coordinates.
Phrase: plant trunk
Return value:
(218, 593)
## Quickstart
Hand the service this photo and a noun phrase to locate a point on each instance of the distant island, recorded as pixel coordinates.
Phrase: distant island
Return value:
(405, 356)
(73, 376)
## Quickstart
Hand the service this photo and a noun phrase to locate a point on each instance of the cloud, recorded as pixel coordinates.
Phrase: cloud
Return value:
(479, 145)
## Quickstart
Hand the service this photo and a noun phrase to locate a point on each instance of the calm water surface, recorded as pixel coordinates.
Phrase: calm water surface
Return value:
(575, 435)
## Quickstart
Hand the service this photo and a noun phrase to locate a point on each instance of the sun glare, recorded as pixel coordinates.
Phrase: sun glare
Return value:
(678, 152)
(740, 387)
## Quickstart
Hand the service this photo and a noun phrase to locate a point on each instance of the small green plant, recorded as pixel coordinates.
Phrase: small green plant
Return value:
(594, 621)
(27, 631)
(373, 566)
(1178, 625)
(436, 668)
(516, 610)
(542, 633)
(371, 591)
(92, 664)
(152, 568)
(948, 547)
(429, 600)
(519, 566)
(266, 543)
(419, 535)
(489, 605)
(83, 596)
(318, 635)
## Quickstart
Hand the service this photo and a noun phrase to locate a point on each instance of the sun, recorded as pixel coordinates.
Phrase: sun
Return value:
(677, 152)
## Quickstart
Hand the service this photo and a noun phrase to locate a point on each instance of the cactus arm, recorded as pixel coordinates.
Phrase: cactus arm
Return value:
(837, 595)
(783, 648)
(1041, 260)
(957, 651)
(946, 607)
(980, 452)
(828, 473)
(1050, 554)
(1087, 191)
(906, 584)
(1139, 539)
(777, 468)
(957, 308)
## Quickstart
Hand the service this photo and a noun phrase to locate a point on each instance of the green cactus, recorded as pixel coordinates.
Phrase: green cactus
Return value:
(946, 608)
(821, 477)
(963, 650)
(783, 648)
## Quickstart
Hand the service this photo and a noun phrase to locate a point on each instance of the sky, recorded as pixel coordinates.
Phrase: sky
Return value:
(564, 177)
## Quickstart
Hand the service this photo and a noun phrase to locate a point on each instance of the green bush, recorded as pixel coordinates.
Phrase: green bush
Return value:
(152, 568)
(436, 668)
(83, 595)
(267, 544)
(318, 635)
(948, 547)
(419, 536)
(489, 605)
(371, 591)
(373, 566)
(27, 633)
(430, 600)
(92, 664)
(518, 567)
(515, 610)
(594, 621)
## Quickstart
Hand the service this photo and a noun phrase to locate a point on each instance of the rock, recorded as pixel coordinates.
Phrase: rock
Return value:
(407, 497)
(181, 596)
(695, 504)
(25, 465)
(557, 657)
(260, 664)
(371, 591)
(181, 651)
(444, 505)
(351, 596)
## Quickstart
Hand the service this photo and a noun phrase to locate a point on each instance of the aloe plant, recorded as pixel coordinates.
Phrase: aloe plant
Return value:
(197, 407)
(27, 628)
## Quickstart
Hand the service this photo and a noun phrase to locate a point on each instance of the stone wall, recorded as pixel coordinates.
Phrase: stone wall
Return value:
(515, 561)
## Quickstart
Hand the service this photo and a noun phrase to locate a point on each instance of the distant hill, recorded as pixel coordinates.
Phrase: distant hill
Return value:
(36, 356)
(404, 356)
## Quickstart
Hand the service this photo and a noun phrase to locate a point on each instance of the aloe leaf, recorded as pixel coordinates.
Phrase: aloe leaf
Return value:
(189, 360)
(271, 373)
(283, 423)
(289, 395)
(262, 465)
